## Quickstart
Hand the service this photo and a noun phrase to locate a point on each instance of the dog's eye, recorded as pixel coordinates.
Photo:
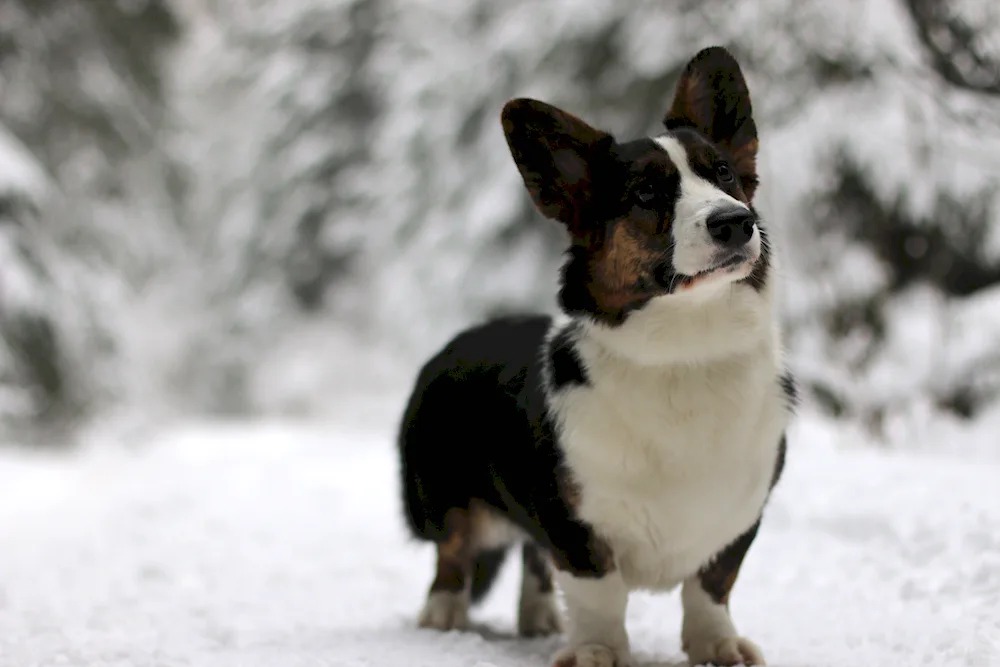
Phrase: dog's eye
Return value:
(646, 195)
(724, 173)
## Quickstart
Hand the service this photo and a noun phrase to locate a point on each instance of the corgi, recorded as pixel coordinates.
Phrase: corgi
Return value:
(631, 442)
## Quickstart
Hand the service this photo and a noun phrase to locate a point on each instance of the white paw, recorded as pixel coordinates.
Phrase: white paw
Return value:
(538, 617)
(591, 655)
(726, 651)
(445, 611)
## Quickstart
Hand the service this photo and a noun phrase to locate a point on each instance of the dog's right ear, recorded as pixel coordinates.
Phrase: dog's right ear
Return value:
(712, 97)
(558, 156)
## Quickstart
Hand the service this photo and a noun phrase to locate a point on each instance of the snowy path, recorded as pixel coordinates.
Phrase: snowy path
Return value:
(281, 546)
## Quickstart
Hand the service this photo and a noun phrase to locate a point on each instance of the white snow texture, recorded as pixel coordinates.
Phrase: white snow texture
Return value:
(283, 546)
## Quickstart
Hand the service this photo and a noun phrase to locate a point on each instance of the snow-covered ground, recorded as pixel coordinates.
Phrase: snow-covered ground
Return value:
(282, 545)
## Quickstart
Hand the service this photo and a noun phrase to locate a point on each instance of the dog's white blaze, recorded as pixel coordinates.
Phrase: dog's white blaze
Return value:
(693, 246)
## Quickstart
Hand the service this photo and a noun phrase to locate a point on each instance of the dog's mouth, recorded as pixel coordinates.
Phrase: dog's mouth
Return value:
(727, 265)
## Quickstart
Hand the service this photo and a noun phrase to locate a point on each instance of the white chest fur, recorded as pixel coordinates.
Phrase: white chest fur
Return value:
(673, 461)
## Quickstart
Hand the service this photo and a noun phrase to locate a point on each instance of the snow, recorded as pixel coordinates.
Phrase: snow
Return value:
(19, 171)
(281, 544)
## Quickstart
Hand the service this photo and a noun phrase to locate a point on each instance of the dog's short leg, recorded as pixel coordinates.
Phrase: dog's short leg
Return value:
(708, 634)
(595, 608)
(538, 613)
(447, 605)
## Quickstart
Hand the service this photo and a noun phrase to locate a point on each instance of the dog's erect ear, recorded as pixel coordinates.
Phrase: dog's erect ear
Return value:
(712, 97)
(558, 156)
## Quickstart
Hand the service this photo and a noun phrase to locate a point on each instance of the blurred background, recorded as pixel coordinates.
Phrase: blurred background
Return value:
(241, 209)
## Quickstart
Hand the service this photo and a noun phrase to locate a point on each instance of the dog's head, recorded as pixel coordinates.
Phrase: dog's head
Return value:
(655, 217)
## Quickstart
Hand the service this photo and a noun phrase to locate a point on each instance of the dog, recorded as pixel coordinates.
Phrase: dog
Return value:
(632, 441)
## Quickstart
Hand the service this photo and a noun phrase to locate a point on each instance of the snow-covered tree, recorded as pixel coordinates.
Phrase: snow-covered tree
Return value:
(242, 185)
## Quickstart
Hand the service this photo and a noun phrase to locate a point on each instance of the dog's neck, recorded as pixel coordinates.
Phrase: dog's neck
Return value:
(695, 328)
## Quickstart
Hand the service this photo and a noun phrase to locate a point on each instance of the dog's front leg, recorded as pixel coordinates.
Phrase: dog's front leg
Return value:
(592, 587)
(708, 634)
(595, 609)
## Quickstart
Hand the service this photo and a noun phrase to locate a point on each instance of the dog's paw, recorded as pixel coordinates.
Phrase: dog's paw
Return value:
(539, 617)
(725, 652)
(445, 610)
(591, 655)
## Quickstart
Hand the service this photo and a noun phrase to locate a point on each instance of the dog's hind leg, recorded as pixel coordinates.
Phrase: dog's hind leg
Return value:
(537, 613)
(447, 605)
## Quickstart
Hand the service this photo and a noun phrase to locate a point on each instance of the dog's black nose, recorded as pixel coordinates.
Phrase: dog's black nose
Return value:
(731, 227)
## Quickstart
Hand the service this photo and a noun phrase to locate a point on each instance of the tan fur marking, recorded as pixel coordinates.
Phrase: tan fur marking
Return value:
(745, 161)
(620, 266)
(452, 547)
(454, 554)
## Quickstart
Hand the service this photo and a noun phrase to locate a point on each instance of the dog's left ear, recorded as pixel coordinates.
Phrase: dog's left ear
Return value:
(712, 97)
